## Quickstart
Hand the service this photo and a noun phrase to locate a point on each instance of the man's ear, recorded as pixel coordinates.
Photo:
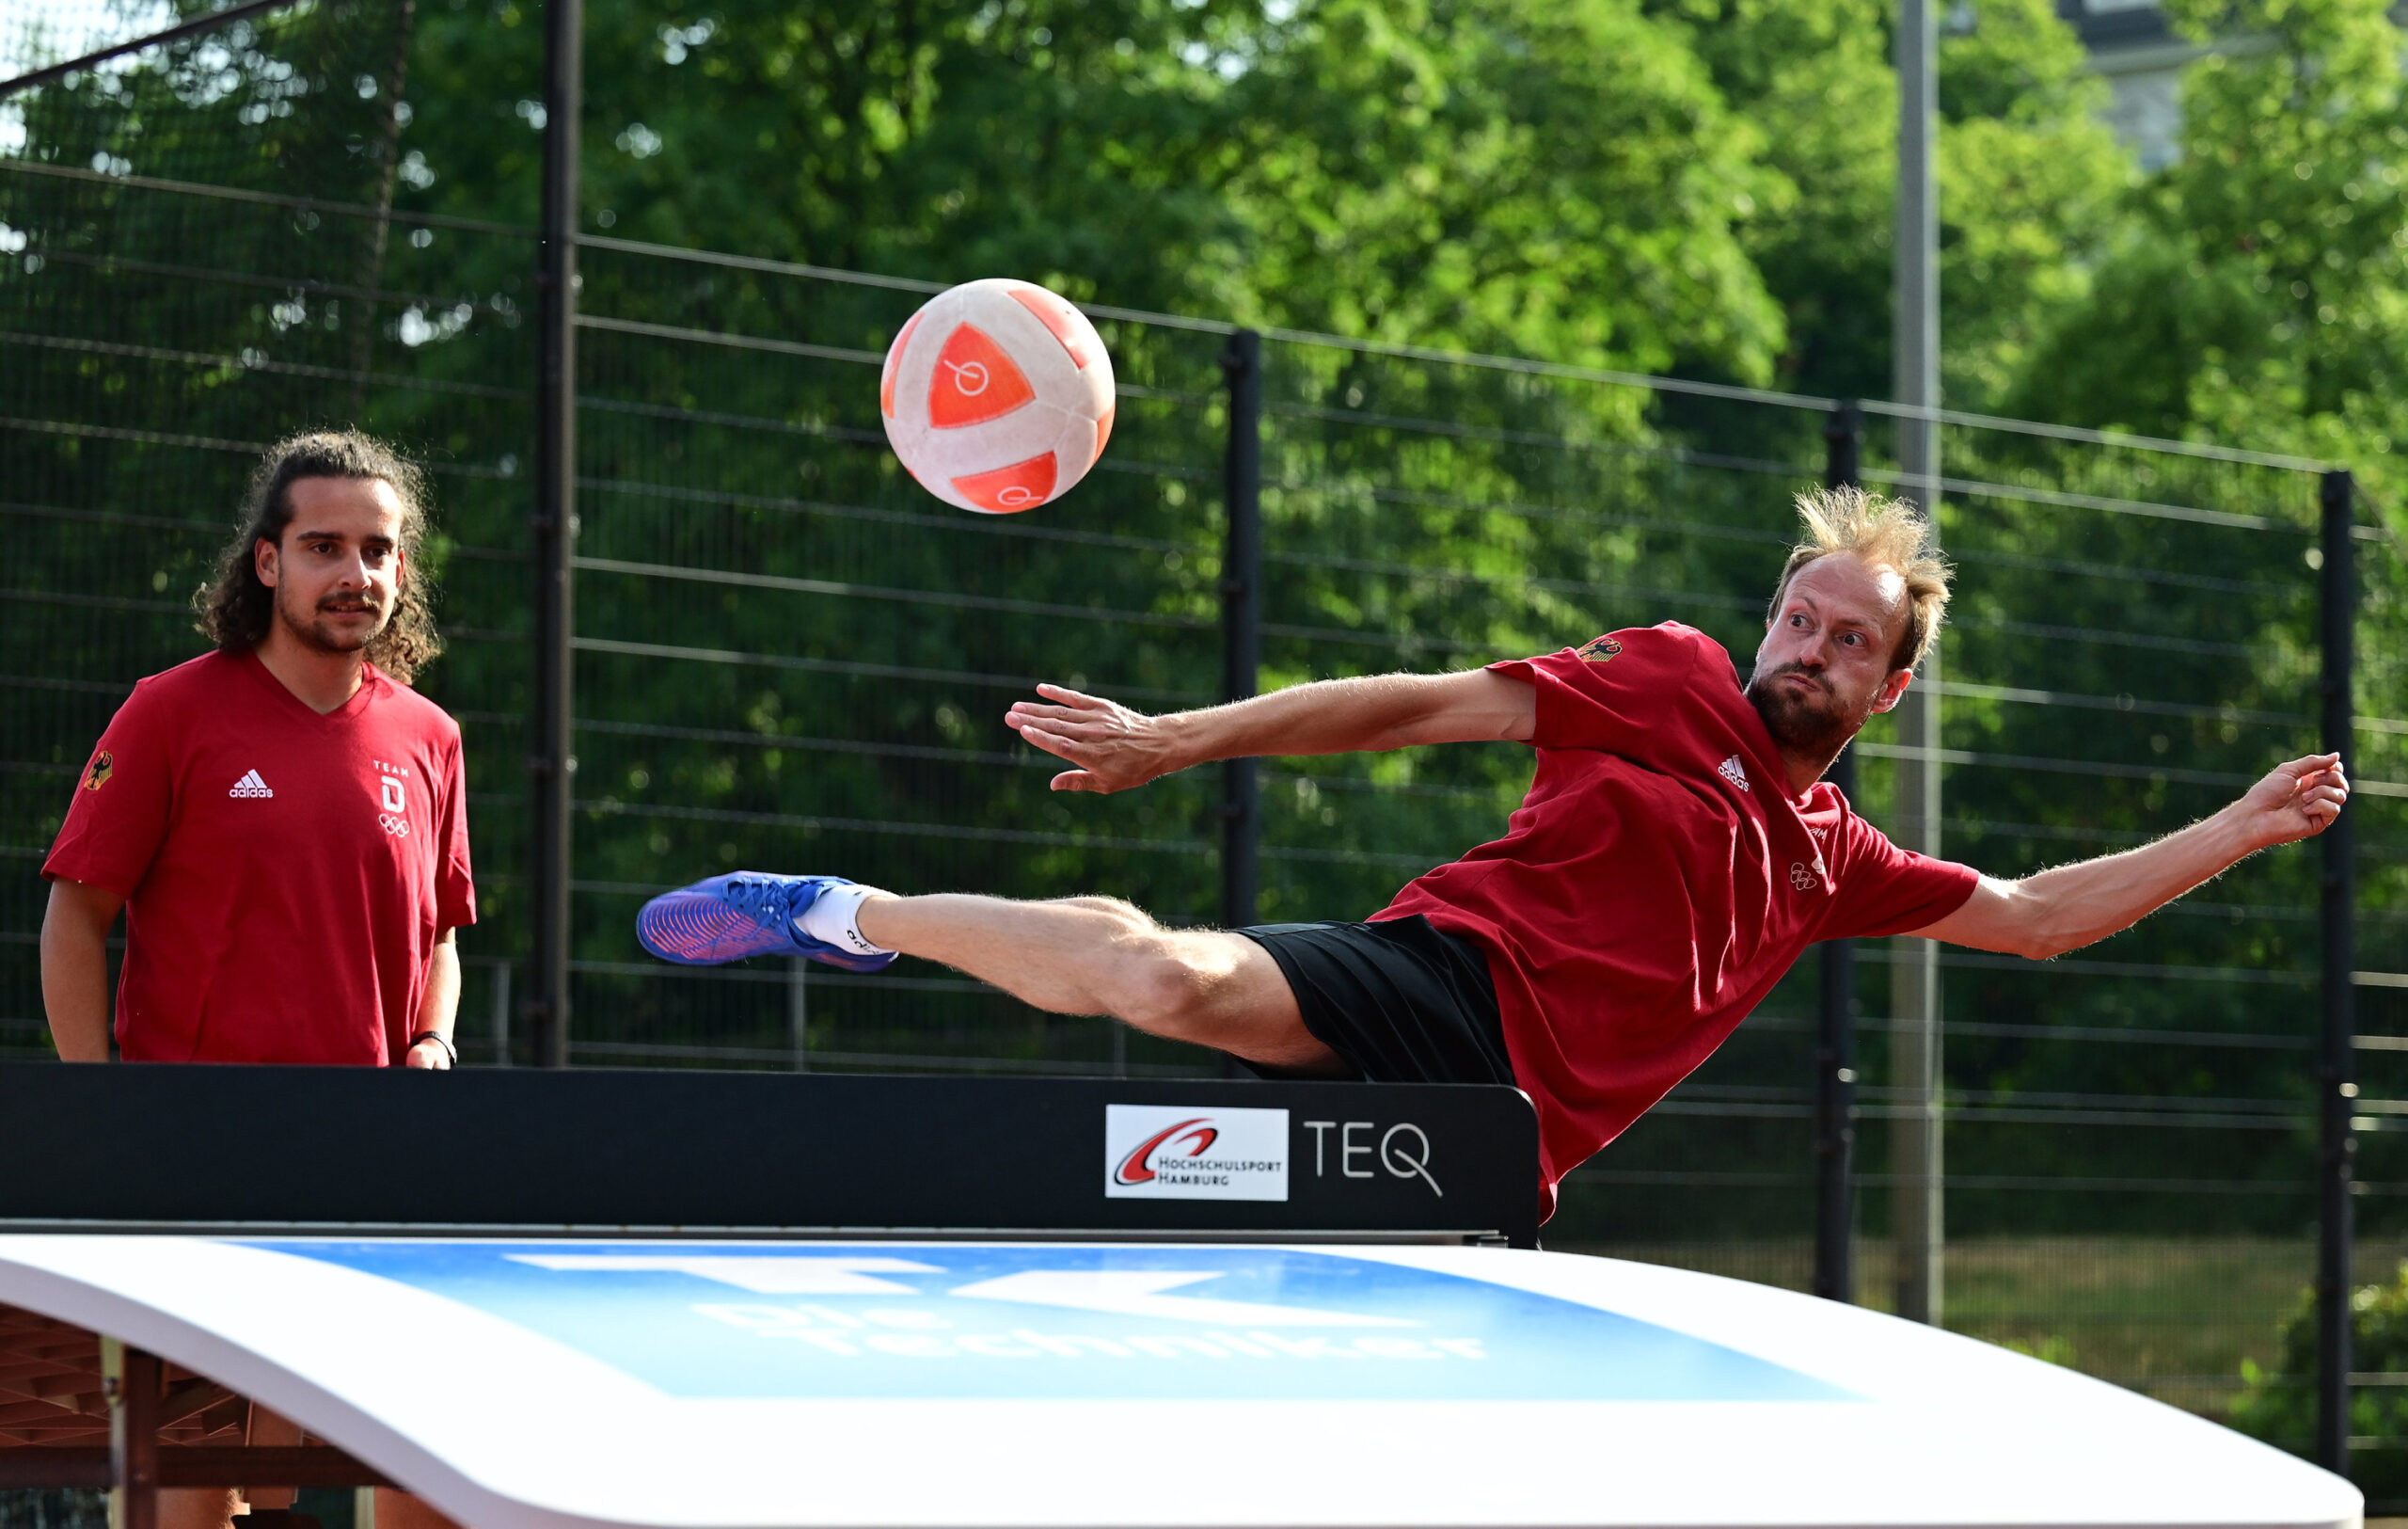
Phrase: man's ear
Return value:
(1892, 688)
(265, 563)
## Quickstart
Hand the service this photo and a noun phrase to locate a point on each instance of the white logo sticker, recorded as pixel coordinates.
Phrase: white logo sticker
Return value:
(1169, 1151)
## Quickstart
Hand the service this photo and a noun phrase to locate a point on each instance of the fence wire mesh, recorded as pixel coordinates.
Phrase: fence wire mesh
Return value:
(788, 657)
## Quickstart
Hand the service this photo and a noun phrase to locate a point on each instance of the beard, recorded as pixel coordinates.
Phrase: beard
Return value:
(313, 629)
(1817, 723)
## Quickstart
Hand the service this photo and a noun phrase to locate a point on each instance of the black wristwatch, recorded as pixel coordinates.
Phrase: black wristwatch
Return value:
(449, 1051)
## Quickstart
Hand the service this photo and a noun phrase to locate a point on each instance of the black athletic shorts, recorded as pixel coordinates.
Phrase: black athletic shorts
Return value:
(1400, 1001)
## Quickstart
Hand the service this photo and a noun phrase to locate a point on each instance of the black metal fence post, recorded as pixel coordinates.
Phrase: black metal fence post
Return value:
(551, 759)
(1242, 618)
(1835, 1039)
(2337, 1078)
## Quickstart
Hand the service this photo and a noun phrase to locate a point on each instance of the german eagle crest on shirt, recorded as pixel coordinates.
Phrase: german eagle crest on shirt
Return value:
(1599, 650)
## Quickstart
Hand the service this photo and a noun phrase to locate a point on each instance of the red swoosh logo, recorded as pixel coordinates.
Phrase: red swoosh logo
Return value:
(1134, 1168)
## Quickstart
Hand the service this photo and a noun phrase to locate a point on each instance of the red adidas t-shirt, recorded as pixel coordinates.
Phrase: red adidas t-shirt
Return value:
(1657, 882)
(286, 873)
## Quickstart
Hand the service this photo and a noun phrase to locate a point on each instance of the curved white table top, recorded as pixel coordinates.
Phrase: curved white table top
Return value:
(559, 1385)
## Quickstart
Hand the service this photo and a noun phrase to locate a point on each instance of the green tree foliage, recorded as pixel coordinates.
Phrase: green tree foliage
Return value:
(2257, 297)
(1466, 175)
(2031, 182)
(2031, 187)
(2278, 1405)
(1461, 174)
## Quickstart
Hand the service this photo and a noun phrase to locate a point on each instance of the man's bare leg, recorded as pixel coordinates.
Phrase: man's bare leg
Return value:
(1102, 956)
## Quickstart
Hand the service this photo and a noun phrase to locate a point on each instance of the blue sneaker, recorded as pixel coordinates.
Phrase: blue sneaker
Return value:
(745, 913)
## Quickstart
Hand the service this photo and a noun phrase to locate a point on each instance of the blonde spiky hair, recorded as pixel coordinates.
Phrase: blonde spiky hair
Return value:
(1886, 534)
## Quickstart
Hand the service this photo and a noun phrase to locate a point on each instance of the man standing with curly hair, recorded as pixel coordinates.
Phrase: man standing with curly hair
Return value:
(283, 819)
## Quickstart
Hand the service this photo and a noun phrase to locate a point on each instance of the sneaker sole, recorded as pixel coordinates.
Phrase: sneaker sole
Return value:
(704, 931)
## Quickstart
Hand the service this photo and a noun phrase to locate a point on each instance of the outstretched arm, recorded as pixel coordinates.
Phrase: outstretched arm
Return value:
(2061, 910)
(1115, 748)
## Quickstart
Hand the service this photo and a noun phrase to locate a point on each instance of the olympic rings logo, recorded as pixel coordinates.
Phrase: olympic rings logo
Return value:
(398, 827)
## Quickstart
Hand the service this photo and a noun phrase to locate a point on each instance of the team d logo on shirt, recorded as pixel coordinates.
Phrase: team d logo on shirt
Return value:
(103, 765)
(393, 795)
(1599, 650)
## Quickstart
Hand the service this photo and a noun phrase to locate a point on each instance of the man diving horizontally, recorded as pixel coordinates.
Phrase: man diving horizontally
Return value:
(1678, 849)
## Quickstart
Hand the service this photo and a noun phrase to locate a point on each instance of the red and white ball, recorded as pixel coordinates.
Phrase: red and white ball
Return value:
(997, 396)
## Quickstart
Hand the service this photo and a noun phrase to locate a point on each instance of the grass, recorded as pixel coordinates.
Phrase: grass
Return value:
(2170, 1317)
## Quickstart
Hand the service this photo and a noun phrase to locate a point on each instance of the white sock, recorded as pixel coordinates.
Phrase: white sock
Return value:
(831, 919)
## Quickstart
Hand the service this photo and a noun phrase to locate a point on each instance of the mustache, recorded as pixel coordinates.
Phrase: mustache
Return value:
(1768, 675)
(349, 603)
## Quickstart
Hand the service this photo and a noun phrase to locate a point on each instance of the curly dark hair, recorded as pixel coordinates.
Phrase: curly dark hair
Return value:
(236, 610)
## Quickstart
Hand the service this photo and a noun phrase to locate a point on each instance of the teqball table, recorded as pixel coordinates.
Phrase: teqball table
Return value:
(565, 1300)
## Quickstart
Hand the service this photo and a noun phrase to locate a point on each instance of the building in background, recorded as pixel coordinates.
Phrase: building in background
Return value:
(2141, 56)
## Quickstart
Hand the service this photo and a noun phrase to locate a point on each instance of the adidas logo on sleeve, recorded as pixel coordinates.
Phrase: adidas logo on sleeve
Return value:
(250, 785)
(1731, 771)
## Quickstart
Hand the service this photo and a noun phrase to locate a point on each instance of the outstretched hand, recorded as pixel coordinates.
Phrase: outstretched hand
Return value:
(1114, 747)
(2297, 800)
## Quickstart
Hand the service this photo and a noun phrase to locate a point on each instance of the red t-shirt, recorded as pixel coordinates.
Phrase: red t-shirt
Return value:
(286, 873)
(1657, 882)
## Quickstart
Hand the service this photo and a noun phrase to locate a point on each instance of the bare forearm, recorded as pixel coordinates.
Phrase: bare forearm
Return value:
(1115, 748)
(436, 1005)
(75, 987)
(2075, 905)
(1347, 716)
(2064, 909)
(439, 1005)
